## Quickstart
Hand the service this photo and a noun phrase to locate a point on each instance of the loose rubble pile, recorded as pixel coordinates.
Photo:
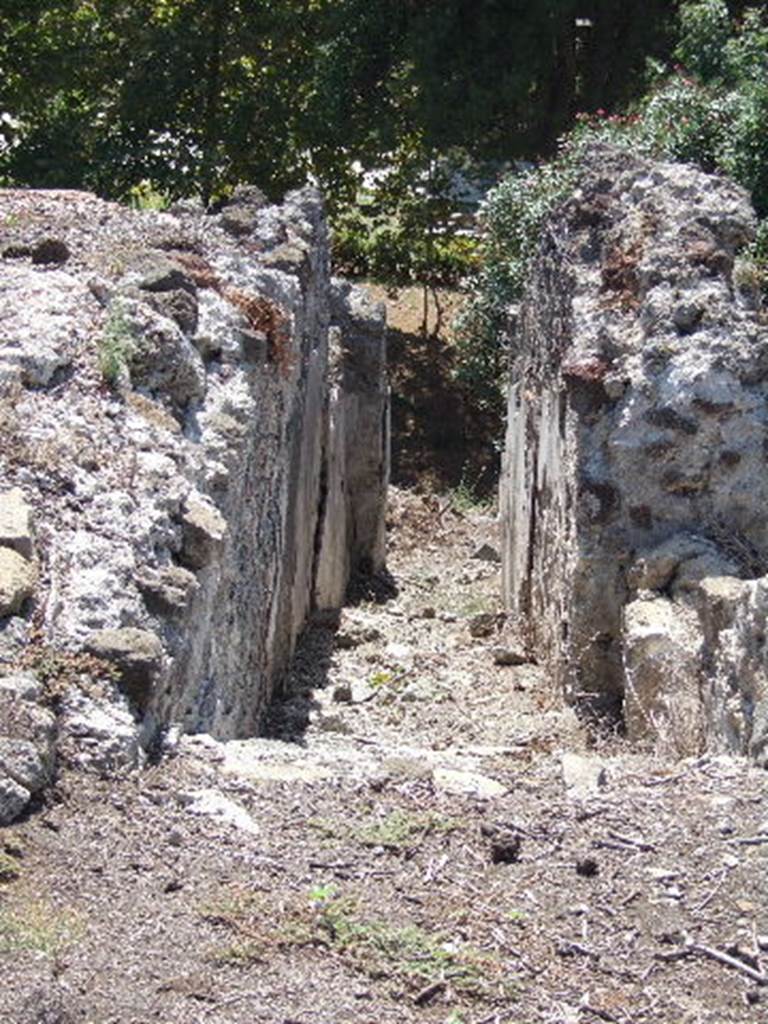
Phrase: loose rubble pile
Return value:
(635, 497)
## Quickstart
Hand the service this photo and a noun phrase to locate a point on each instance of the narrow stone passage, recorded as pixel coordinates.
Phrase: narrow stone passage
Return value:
(426, 836)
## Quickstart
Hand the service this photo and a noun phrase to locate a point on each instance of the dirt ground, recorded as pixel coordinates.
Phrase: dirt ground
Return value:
(424, 836)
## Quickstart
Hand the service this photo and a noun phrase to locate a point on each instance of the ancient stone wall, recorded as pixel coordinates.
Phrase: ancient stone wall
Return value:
(634, 494)
(194, 456)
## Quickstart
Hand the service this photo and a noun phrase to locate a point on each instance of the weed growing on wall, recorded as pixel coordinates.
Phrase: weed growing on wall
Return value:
(116, 346)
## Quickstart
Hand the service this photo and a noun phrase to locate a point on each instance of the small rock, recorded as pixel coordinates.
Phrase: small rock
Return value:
(661, 874)
(100, 735)
(26, 720)
(167, 591)
(333, 723)
(399, 652)
(486, 553)
(342, 694)
(483, 625)
(211, 803)
(450, 780)
(22, 685)
(50, 250)
(203, 528)
(505, 844)
(175, 837)
(13, 799)
(16, 523)
(583, 776)
(22, 761)
(157, 273)
(18, 577)
(587, 867)
(137, 654)
(510, 656)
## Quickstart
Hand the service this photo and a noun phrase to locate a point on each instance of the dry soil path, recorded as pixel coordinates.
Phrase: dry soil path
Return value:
(425, 836)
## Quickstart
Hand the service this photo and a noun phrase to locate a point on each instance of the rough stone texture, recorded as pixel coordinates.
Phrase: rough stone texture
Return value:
(99, 735)
(27, 747)
(229, 481)
(357, 474)
(137, 655)
(17, 581)
(634, 470)
(16, 523)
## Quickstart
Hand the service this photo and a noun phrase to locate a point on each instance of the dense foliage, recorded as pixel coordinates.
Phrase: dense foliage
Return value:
(711, 108)
(197, 95)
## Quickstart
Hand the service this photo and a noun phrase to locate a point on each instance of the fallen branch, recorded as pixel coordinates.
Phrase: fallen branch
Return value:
(748, 840)
(729, 961)
(597, 1012)
(639, 844)
(714, 954)
(428, 993)
(712, 892)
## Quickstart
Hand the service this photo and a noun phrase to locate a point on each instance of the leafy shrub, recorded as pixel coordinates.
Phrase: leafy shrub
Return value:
(401, 226)
(712, 112)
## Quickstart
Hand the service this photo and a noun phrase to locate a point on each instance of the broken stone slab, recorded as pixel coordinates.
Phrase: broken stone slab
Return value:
(629, 461)
(136, 653)
(13, 800)
(661, 641)
(16, 523)
(210, 803)
(450, 780)
(18, 577)
(583, 776)
(203, 530)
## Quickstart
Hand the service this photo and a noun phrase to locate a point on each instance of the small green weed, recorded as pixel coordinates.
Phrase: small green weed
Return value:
(10, 869)
(116, 346)
(382, 678)
(463, 498)
(331, 920)
(404, 829)
(147, 196)
(38, 927)
(60, 670)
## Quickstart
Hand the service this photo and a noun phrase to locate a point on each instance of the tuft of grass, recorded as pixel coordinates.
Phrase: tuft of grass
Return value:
(38, 927)
(378, 949)
(10, 869)
(464, 499)
(402, 829)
